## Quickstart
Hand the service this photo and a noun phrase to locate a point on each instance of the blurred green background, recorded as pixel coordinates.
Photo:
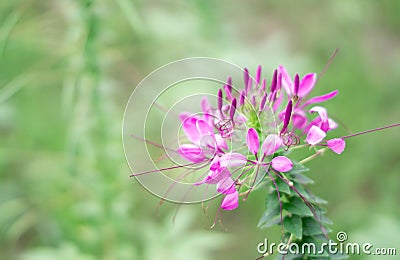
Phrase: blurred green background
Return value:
(67, 69)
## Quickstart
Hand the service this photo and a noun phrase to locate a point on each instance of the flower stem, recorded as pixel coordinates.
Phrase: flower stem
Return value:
(313, 156)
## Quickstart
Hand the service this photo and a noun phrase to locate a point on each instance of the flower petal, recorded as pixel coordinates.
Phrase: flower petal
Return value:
(226, 186)
(337, 145)
(315, 135)
(232, 159)
(253, 143)
(282, 164)
(231, 201)
(307, 84)
(299, 120)
(221, 143)
(320, 99)
(190, 129)
(323, 114)
(204, 128)
(205, 105)
(286, 81)
(332, 124)
(271, 144)
(191, 153)
(215, 163)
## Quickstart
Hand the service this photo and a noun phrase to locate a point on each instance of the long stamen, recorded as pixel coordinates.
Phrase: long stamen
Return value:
(335, 52)
(152, 143)
(162, 169)
(370, 131)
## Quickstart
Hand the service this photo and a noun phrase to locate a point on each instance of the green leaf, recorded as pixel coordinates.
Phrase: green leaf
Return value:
(282, 186)
(307, 194)
(269, 222)
(272, 201)
(301, 178)
(293, 225)
(298, 168)
(297, 206)
(311, 227)
(271, 214)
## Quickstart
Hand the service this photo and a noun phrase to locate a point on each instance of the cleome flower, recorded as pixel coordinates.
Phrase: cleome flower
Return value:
(238, 138)
(244, 142)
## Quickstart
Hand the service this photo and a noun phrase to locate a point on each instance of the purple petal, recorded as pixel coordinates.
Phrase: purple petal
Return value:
(221, 143)
(323, 114)
(253, 143)
(307, 84)
(249, 85)
(184, 115)
(263, 85)
(220, 101)
(190, 129)
(320, 99)
(282, 164)
(233, 109)
(204, 128)
(215, 164)
(229, 83)
(288, 113)
(258, 74)
(232, 159)
(332, 124)
(337, 145)
(286, 81)
(218, 175)
(231, 201)
(271, 144)
(242, 96)
(315, 135)
(263, 101)
(191, 153)
(246, 76)
(299, 121)
(226, 186)
(228, 92)
(274, 81)
(296, 84)
(205, 105)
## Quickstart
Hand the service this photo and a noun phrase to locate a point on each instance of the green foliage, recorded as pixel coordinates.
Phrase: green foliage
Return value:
(299, 213)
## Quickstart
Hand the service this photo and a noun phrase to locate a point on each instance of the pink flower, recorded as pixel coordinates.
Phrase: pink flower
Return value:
(298, 92)
(282, 164)
(253, 143)
(205, 143)
(337, 145)
(315, 135)
(231, 201)
(271, 144)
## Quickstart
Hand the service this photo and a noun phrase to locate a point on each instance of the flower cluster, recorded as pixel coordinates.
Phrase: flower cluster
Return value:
(250, 130)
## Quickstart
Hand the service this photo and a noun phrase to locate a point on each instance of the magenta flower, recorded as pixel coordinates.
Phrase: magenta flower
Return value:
(282, 164)
(315, 135)
(298, 91)
(253, 142)
(205, 143)
(244, 142)
(337, 145)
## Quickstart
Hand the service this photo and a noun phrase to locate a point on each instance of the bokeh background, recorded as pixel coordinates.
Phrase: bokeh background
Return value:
(67, 69)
